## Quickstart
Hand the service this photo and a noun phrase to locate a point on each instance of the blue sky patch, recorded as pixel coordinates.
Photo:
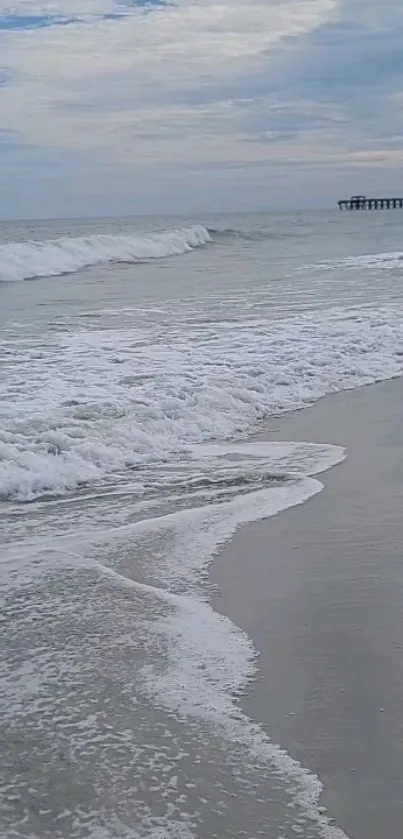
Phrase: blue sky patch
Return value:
(15, 22)
(144, 3)
(11, 23)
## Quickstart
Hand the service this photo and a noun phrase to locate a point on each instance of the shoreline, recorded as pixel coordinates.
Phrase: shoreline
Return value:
(321, 597)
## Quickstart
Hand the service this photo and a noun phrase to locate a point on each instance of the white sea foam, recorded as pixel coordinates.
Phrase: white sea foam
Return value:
(51, 258)
(93, 404)
(210, 661)
(207, 660)
(380, 261)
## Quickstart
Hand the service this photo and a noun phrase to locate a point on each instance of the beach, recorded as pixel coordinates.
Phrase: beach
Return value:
(155, 378)
(319, 589)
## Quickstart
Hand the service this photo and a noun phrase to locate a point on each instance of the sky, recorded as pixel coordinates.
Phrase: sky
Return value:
(112, 107)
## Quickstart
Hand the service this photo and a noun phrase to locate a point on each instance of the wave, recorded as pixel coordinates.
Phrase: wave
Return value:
(259, 235)
(67, 255)
(392, 259)
(54, 257)
(72, 414)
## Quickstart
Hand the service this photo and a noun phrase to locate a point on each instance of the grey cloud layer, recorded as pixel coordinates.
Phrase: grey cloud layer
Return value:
(283, 88)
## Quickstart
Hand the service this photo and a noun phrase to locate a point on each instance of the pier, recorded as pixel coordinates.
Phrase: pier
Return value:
(361, 202)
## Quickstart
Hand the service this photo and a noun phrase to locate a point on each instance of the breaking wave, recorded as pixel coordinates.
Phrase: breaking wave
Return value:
(68, 254)
(54, 257)
(75, 410)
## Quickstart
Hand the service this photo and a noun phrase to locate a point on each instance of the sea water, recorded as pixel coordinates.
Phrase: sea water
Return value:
(139, 360)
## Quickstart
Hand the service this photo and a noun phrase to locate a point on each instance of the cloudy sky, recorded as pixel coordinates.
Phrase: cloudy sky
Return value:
(119, 106)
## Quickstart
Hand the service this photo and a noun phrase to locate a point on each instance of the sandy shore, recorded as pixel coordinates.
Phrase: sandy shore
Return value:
(319, 589)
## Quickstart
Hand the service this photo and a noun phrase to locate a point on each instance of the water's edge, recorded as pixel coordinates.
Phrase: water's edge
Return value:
(257, 582)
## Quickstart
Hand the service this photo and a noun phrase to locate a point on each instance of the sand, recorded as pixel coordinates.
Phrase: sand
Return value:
(319, 589)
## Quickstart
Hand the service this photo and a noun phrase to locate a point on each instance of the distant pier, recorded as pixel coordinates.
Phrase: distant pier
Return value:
(361, 202)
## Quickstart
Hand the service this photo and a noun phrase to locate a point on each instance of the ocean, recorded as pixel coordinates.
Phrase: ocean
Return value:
(140, 360)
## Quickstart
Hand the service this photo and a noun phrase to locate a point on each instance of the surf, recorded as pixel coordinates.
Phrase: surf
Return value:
(67, 255)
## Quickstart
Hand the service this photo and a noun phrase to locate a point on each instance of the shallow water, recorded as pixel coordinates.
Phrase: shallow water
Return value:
(129, 391)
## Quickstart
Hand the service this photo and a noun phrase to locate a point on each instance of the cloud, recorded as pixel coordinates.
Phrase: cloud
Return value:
(74, 77)
(143, 90)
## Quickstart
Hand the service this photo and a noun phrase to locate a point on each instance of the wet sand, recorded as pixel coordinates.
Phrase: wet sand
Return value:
(319, 589)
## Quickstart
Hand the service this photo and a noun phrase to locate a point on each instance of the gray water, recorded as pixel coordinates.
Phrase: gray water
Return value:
(131, 382)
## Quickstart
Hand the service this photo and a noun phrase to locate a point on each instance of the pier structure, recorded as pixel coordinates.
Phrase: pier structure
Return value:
(361, 202)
